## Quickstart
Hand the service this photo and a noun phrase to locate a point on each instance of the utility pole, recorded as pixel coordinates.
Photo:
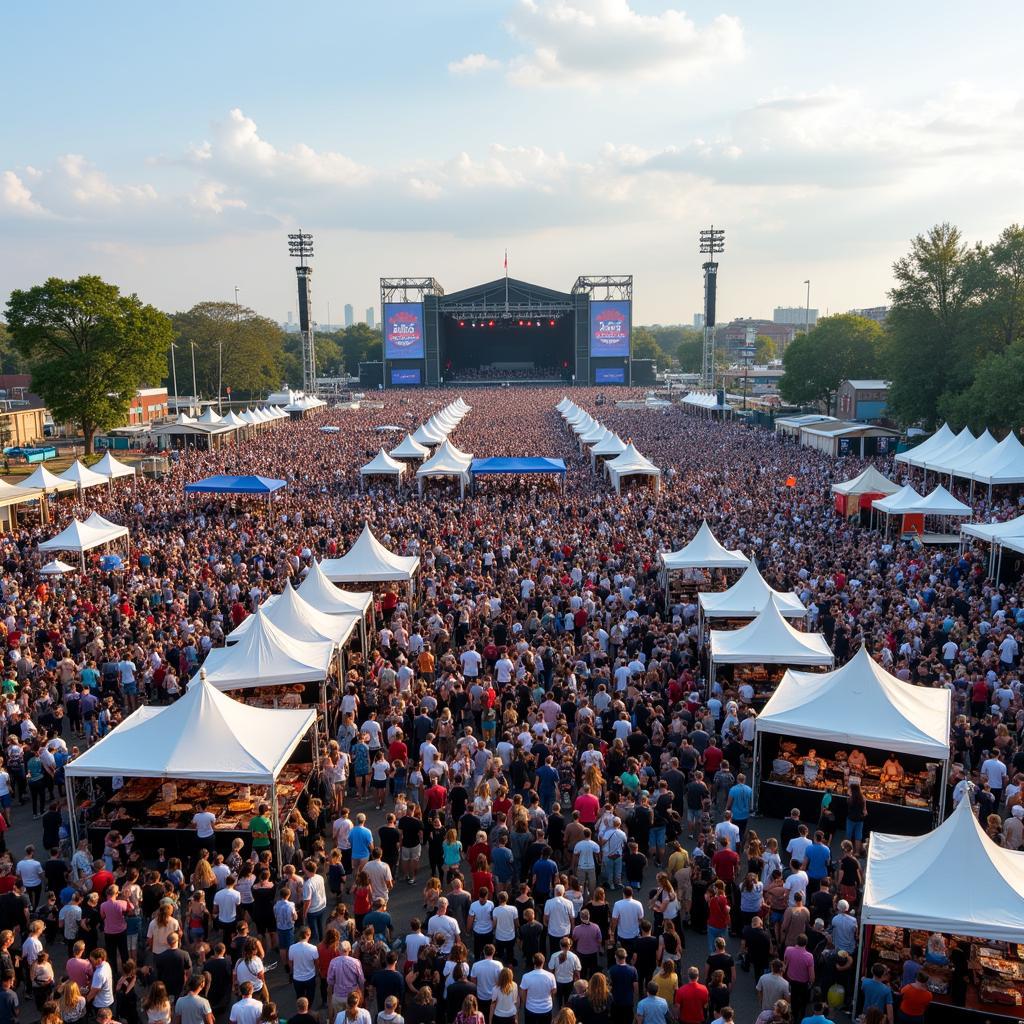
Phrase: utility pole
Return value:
(807, 308)
(712, 241)
(195, 391)
(174, 378)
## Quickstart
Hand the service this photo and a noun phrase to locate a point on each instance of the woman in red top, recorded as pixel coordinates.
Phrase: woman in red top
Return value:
(328, 949)
(718, 914)
(914, 1000)
(362, 899)
(482, 878)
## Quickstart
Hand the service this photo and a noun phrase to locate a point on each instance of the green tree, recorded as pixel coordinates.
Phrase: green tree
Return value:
(233, 345)
(1002, 303)
(690, 354)
(360, 344)
(838, 348)
(932, 322)
(764, 350)
(644, 345)
(11, 360)
(89, 348)
(995, 399)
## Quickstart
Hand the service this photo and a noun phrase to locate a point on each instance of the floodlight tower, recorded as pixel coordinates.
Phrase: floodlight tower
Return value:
(712, 241)
(300, 244)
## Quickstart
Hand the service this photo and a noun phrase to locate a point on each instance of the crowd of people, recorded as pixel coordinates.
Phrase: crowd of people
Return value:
(527, 761)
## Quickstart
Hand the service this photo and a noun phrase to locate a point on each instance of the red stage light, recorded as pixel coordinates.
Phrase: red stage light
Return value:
(490, 323)
(462, 323)
(520, 323)
(551, 323)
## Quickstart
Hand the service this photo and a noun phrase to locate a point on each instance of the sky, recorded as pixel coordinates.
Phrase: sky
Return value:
(170, 148)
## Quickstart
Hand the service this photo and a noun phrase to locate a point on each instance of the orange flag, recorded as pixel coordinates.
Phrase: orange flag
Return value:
(791, 481)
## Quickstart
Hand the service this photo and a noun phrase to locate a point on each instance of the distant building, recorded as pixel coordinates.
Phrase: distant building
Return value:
(291, 317)
(22, 427)
(734, 338)
(698, 321)
(756, 379)
(370, 320)
(149, 404)
(876, 313)
(864, 401)
(350, 314)
(798, 316)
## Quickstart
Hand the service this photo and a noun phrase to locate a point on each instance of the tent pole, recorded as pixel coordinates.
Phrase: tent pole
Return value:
(755, 770)
(275, 820)
(72, 818)
(859, 961)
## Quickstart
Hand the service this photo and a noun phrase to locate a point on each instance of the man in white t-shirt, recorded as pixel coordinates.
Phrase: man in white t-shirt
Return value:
(485, 973)
(536, 992)
(585, 856)
(470, 661)
(503, 669)
(204, 821)
(302, 960)
(247, 1010)
(627, 914)
(30, 871)
(101, 987)
(558, 916)
(443, 924)
(225, 908)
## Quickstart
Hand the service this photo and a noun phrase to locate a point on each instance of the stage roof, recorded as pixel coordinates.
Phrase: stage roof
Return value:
(493, 293)
(534, 465)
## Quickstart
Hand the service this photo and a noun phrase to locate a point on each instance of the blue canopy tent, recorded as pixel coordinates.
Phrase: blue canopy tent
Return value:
(254, 485)
(517, 467)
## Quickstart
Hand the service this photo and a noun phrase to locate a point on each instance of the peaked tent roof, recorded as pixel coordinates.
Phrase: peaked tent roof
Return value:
(941, 503)
(868, 482)
(239, 742)
(209, 417)
(901, 889)
(962, 441)
(1004, 464)
(299, 620)
(317, 590)
(704, 552)
(409, 449)
(56, 568)
(43, 480)
(383, 463)
(110, 467)
(82, 476)
(610, 444)
(13, 494)
(424, 435)
(594, 434)
(861, 704)
(962, 462)
(232, 419)
(221, 484)
(769, 640)
(582, 426)
(901, 501)
(747, 596)
(628, 461)
(267, 656)
(368, 561)
(79, 536)
(930, 446)
(994, 532)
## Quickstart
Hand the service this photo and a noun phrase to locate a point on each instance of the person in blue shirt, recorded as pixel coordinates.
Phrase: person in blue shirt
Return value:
(817, 860)
(876, 991)
(741, 796)
(361, 839)
(652, 1009)
(544, 871)
(817, 1016)
(547, 784)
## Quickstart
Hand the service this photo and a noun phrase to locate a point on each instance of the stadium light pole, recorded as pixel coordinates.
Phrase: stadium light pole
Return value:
(300, 244)
(712, 242)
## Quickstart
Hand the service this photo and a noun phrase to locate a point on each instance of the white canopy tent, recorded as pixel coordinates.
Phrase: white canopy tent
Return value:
(424, 435)
(931, 446)
(768, 640)
(382, 464)
(703, 552)
(317, 590)
(960, 464)
(907, 882)
(941, 503)
(79, 474)
(593, 435)
(237, 742)
(995, 535)
(43, 480)
(13, 495)
(746, 598)
(860, 704)
(296, 618)
(112, 469)
(1003, 465)
(267, 656)
(851, 494)
(935, 459)
(583, 425)
(629, 462)
(409, 449)
(607, 448)
(447, 461)
(368, 561)
(81, 536)
(899, 502)
(56, 568)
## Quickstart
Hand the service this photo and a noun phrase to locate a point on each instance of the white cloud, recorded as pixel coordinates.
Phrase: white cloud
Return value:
(589, 42)
(211, 197)
(473, 63)
(16, 196)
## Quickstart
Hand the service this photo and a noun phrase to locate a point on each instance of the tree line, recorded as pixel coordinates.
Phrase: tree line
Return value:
(89, 348)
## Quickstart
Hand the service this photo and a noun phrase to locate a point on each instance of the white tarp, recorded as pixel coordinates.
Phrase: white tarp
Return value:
(768, 640)
(111, 468)
(299, 620)
(409, 449)
(267, 656)
(703, 552)
(747, 597)
(42, 479)
(868, 482)
(368, 561)
(861, 704)
(932, 446)
(203, 735)
(908, 883)
(82, 476)
(316, 589)
(383, 465)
